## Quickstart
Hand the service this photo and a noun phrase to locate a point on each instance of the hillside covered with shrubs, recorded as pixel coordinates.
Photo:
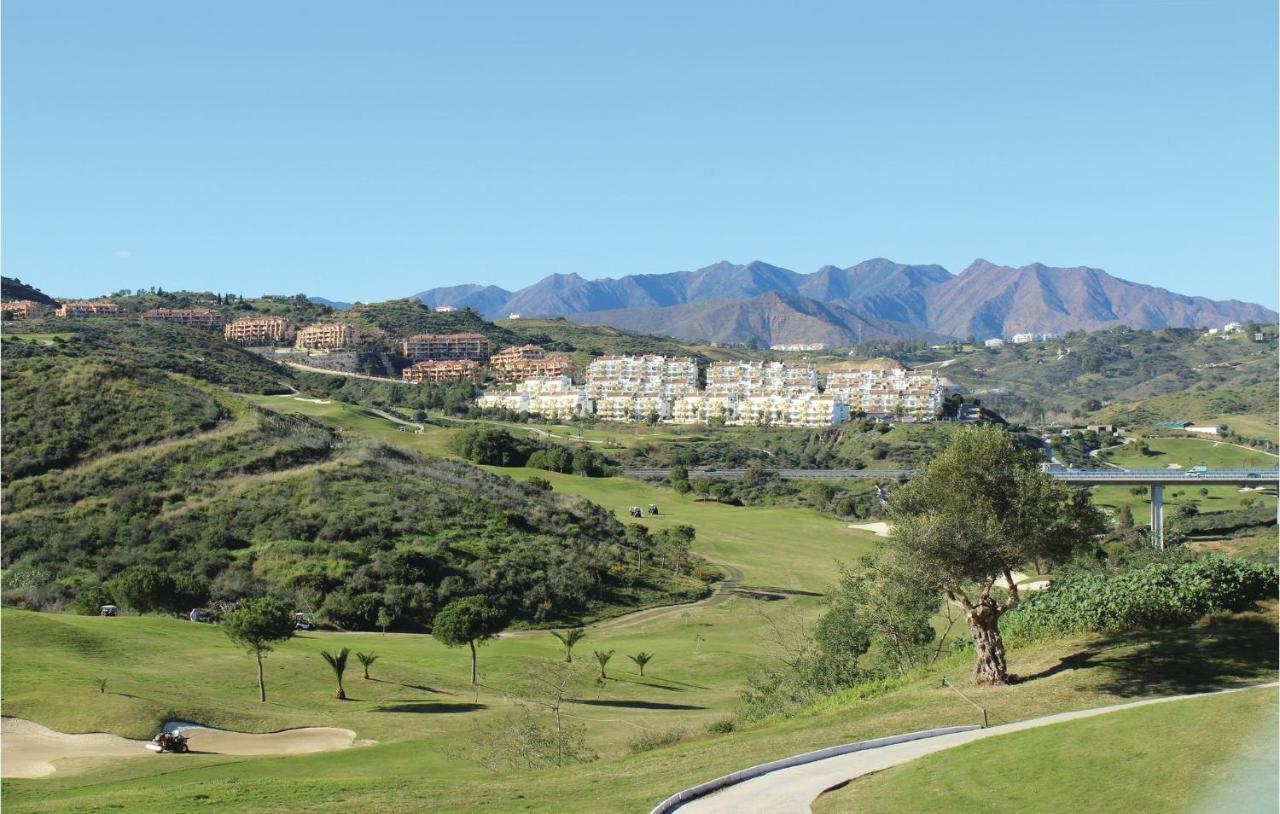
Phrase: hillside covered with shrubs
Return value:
(124, 457)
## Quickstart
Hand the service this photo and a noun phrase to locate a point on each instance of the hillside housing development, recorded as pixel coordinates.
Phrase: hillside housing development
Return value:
(529, 362)
(263, 330)
(325, 336)
(424, 347)
(24, 309)
(444, 370)
(97, 308)
(205, 318)
(745, 393)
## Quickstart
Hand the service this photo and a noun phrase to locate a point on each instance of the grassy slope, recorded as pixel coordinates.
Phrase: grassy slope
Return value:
(1212, 754)
(194, 672)
(1187, 452)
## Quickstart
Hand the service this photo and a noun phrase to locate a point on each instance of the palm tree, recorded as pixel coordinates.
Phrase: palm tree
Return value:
(641, 659)
(339, 664)
(603, 658)
(569, 638)
(366, 659)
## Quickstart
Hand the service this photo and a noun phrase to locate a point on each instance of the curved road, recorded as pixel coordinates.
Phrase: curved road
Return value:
(795, 789)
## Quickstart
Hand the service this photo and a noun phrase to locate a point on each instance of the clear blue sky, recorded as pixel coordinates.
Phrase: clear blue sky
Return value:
(371, 150)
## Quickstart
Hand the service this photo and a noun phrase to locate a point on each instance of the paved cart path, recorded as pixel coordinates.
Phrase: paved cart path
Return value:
(794, 789)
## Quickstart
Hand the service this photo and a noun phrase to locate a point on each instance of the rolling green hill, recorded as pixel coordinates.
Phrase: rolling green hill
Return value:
(122, 451)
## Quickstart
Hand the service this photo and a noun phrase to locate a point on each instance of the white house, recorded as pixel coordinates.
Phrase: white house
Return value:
(1022, 339)
(994, 343)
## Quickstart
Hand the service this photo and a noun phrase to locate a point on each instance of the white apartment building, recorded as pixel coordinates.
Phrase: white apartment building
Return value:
(801, 347)
(633, 407)
(1022, 339)
(994, 343)
(888, 390)
(744, 379)
(802, 410)
(663, 376)
(703, 408)
(553, 397)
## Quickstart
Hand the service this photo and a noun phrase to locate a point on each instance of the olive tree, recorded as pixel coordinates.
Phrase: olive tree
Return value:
(978, 512)
(467, 621)
(257, 626)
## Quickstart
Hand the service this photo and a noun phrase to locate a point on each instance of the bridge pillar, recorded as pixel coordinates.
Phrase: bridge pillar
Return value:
(1157, 516)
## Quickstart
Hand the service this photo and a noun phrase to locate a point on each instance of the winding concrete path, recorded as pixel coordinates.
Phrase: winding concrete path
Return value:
(794, 789)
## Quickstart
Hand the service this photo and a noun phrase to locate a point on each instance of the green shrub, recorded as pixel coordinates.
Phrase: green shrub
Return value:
(1155, 595)
(655, 739)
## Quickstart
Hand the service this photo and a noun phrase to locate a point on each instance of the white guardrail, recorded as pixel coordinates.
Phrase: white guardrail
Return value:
(703, 789)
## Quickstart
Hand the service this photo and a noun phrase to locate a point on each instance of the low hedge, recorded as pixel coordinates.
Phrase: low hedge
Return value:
(1150, 596)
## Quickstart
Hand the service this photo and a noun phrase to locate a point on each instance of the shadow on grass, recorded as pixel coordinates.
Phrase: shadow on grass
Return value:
(633, 704)
(422, 687)
(429, 707)
(774, 590)
(645, 682)
(1219, 654)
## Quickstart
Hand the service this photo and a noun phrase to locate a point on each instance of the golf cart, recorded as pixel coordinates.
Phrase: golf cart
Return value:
(304, 621)
(173, 741)
(108, 610)
(204, 615)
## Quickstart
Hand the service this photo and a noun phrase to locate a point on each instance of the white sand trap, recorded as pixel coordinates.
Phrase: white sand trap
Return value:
(313, 401)
(879, 528)
(288, 742)
(29, 750)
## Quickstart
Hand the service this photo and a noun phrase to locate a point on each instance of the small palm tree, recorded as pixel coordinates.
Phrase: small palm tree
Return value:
(641, 659)
(339, 664)
(366, 659)
(569, 638)
(603, 658)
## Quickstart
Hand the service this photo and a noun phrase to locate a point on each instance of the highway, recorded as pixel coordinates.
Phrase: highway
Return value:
(1089, 477)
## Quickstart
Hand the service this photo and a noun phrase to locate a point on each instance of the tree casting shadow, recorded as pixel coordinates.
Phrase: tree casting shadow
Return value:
(1223, 653)
(430, 707)
(633, 704)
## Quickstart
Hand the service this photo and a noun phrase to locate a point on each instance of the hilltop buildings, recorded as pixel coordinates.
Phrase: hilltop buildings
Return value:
(659, 388)
(885, 389)
(263, 330)
(97, 308)
(24, 309)
(552, 397)
(422, 347)
(529, 362)
(325, 335)
(206, 318)
(444, 370)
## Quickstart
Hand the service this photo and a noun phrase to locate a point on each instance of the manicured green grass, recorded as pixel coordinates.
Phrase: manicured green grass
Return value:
(1186, 452)
(1211, 754)
(417, 766)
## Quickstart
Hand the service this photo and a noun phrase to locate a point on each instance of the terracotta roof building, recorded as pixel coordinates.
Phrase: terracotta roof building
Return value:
(206, 318)
(447, 346)
(444, 370)
(326, 335)
(259, 331)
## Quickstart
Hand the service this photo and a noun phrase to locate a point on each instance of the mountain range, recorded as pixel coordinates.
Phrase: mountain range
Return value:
(876, 299)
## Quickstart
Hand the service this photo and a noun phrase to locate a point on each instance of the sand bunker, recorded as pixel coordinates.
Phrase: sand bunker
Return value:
(29, 750)
(879, 529)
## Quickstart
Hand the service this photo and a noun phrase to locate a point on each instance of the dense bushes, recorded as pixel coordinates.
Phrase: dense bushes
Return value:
(497, 447)
(1153, 595)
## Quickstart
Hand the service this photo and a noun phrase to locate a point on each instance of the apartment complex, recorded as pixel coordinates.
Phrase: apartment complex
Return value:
(444, 370)
(744, 379)
(24, 309)
(884, 389)
(703, 408)
(799, 410)
(665, 377)
(325, 335)
(259, 330)
(97, 308)
(422, 347)
(529, 362)
(552, 397)
(206, 318)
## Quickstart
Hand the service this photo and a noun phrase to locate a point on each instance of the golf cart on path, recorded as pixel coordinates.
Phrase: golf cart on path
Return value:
(304, 621)
(173, 741)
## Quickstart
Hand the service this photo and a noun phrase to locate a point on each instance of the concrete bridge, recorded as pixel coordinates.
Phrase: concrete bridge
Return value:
(1154, 479)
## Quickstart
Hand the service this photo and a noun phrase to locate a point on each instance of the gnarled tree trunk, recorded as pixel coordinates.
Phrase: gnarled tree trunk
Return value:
(984, 623)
